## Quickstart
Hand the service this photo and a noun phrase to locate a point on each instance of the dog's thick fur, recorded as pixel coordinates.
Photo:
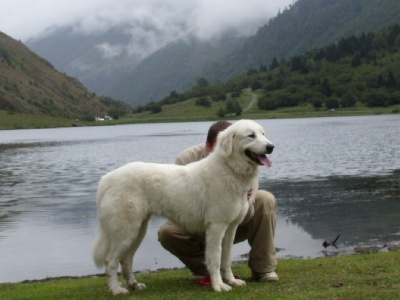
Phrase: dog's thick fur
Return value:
(206, 196)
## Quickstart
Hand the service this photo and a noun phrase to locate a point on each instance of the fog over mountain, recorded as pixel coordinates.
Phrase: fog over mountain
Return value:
(141, 51)
(147, 25)
(101, 42)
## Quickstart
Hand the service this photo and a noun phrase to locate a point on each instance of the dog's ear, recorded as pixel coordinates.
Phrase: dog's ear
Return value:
(225, 140)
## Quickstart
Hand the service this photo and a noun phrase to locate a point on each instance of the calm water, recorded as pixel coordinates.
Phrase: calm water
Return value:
(330, 175)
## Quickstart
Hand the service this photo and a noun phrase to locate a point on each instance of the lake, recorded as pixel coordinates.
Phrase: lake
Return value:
(331, 176)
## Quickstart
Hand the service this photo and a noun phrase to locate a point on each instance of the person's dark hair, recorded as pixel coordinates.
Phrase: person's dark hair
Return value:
(216, 128)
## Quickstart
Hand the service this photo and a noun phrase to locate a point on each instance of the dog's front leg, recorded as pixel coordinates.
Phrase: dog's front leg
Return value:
(214, 235)
(226, 257)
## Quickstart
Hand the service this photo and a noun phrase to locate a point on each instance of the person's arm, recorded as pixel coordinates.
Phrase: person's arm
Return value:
(251, 194)
(179, 161)
(190, 155)
(184, 158)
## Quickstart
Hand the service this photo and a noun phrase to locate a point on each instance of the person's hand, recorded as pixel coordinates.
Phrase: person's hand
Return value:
(249, 193)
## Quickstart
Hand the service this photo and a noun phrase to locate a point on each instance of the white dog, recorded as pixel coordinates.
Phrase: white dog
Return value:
(206, 196)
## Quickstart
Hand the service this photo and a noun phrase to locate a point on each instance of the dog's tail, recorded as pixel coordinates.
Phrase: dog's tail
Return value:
(101, 246)
(100, 249)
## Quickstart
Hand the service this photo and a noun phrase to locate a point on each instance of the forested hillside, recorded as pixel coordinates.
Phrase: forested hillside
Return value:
(29, 84)
(357, 69)
(306, 25)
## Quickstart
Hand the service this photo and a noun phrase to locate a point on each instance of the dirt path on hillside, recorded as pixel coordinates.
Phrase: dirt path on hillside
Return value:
(253, 100)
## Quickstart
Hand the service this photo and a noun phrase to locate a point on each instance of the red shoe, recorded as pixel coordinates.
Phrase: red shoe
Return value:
(206, 281)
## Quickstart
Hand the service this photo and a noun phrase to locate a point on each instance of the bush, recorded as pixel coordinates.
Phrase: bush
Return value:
(348, 100)
(203, 101)
(154, 107)
(256, 85)
(395, 98)
(332, 102)
(317, 102)
(233, 107)
(88, 117)
(218, 97)
(287, 100)
(236, 94)
(116, 113)
(375, 98)
(221, 112)
(267, 103)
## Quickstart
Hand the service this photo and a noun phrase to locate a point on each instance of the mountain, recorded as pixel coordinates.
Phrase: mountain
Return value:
(125, 76)
(305, 25)
(356, 72)
(176, 67)
(90, 57)
(30, 84)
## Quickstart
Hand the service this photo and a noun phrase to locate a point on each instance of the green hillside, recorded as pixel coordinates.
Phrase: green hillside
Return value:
(30, 85)
(359, 73)
(305, 25)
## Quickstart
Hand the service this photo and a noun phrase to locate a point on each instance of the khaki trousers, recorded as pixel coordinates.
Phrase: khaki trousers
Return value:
(258, 228)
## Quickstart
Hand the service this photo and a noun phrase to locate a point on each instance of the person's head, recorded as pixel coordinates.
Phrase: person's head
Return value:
(212, 134)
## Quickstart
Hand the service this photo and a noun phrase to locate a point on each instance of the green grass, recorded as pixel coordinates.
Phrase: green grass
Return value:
(188, 111)
(23, 121)
(361, 276)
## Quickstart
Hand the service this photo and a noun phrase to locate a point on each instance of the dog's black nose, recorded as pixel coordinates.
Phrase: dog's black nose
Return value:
(270, 148)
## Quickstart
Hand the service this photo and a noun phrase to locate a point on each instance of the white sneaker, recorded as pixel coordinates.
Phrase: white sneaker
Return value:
(265, 277)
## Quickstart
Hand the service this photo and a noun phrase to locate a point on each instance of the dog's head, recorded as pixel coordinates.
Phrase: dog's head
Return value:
(245, 144)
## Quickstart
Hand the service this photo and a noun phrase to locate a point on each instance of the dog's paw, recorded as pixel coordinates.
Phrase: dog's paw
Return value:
(119, 291)
(139, 286)
(222, 288)
(237, 282)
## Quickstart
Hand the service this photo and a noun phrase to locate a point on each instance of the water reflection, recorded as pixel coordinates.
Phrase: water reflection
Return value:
(360, 208)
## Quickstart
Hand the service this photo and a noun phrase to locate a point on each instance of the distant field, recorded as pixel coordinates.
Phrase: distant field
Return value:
(22, 121)
(188, 111)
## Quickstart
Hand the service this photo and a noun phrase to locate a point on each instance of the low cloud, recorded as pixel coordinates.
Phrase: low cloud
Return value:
(150, 24)
(110, 51)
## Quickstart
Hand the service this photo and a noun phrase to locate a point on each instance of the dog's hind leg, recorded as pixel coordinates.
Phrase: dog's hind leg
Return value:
(123, 245)
(226, 257)
(127, 259)
(112, 263)
(214, 236)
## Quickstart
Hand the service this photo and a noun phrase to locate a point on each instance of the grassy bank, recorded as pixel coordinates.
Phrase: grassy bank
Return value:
(361, 276)
(188, 111)
(23, 121)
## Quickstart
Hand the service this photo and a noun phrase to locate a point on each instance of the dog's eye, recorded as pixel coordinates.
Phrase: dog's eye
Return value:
(252, 136)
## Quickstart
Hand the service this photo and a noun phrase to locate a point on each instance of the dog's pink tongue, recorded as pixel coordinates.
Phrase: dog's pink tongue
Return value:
(265, 160)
